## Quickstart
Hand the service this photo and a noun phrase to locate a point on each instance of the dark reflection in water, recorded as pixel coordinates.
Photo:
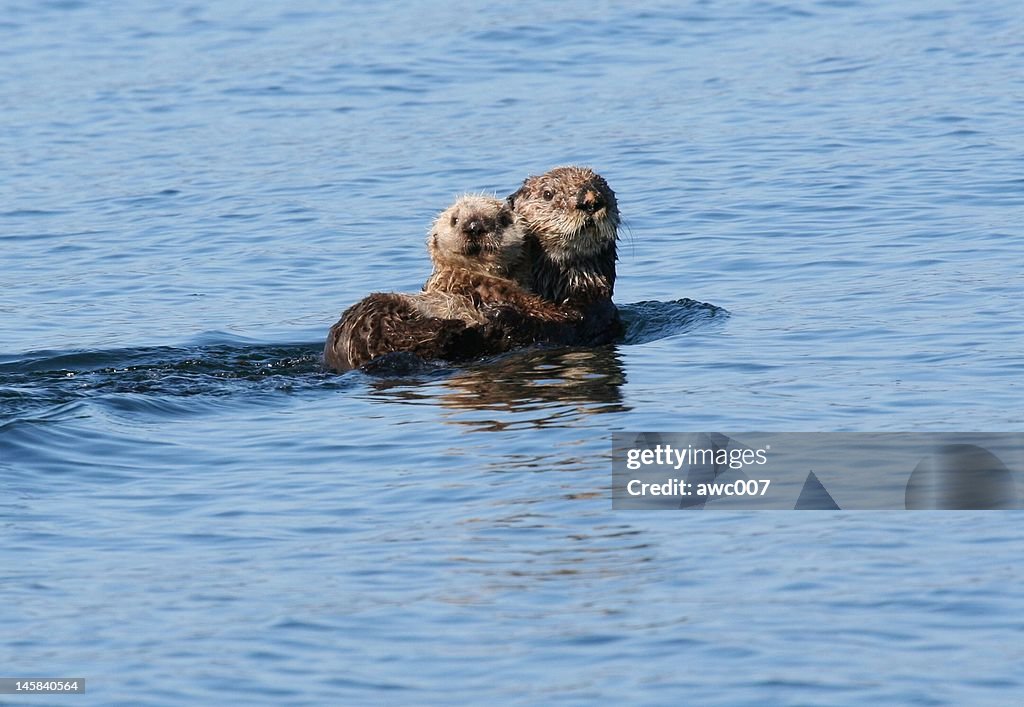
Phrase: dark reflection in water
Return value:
(590, 380)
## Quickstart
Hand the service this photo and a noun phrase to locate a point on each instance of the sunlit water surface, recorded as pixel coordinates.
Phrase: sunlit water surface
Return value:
(194, 512)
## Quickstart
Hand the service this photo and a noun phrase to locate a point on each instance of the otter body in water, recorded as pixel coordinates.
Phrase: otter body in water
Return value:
(470, 305)
(572, 219)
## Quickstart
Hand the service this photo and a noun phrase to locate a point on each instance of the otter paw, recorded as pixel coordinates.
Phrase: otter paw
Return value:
(502, 316)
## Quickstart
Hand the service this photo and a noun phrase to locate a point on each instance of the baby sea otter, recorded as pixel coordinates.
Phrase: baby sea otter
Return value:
(470, 306)
(571, 220)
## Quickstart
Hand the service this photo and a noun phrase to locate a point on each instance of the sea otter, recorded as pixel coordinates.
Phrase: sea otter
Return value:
(470, 306)
(572, 219)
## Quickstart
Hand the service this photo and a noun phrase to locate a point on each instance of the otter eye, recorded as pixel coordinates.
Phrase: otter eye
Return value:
(505, 219)
(548, 194)
(455, 220)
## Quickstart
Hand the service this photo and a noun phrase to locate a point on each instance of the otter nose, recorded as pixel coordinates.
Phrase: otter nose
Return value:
(589, 199)
(474, 228)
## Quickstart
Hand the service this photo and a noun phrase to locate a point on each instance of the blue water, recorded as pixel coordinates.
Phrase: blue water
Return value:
(194, 513)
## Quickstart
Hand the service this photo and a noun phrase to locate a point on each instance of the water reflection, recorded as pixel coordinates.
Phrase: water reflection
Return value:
(588, 381)
(562, 383)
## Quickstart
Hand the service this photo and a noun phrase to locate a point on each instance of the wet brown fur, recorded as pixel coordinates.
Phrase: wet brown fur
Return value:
(470, 306)
(571, 219)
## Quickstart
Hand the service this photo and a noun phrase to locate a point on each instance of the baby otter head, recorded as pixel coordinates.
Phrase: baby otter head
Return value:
(478, 233)
(572, 212)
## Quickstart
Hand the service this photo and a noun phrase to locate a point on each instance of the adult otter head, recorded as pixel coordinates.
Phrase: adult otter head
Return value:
(572, 213)
(478, 233)
(572, 220)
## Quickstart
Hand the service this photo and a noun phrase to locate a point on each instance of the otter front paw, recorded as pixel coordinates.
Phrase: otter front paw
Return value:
(503, 317)
(568, 315)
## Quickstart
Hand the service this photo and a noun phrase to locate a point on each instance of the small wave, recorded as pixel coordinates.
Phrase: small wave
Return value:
(52, 379)
(215, 357)
(651, 320)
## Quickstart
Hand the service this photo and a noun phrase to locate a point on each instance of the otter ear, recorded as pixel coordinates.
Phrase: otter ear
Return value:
(511, 198)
